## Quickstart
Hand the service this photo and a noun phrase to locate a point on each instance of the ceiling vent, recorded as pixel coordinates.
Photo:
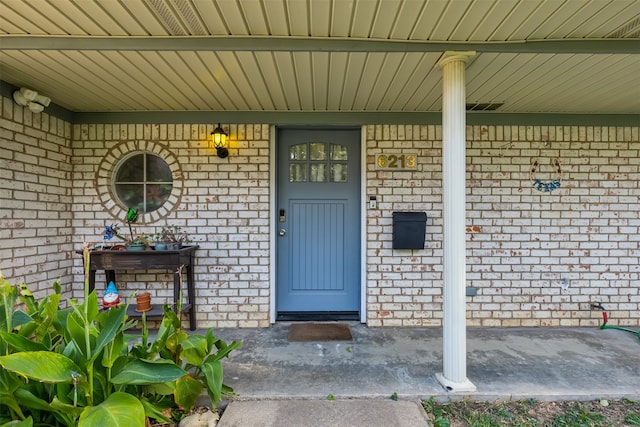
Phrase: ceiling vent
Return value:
(484, 106)
(178, 16)
(629, 30)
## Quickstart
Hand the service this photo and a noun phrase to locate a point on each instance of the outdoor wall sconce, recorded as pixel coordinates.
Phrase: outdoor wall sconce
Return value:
(219, 141)
(29, 98)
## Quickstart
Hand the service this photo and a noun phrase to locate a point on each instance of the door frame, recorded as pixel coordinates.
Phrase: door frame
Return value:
(273, 233)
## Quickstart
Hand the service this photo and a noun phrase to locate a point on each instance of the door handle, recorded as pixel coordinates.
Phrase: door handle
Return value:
(282, 232)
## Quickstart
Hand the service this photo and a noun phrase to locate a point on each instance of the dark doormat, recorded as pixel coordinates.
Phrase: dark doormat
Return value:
(320, 332)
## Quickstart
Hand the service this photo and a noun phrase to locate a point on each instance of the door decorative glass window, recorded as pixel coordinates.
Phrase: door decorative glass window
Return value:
(318, 162)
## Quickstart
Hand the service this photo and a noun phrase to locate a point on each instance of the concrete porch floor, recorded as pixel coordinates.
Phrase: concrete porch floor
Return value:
(503, 363)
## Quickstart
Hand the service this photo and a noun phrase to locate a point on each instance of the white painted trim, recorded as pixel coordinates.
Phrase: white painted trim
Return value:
(363, 224)
(273, 224)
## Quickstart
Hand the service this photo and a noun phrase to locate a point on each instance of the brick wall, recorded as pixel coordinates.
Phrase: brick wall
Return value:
(35, 198)
(404, 286)
(536, 258)
(222, 203)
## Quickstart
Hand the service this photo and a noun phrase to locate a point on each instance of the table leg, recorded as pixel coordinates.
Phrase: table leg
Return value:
(92, 280)
(176, 291)
(191, 298)
(110, 277)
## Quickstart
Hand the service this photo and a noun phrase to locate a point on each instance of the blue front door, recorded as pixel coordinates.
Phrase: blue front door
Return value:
(318, 216)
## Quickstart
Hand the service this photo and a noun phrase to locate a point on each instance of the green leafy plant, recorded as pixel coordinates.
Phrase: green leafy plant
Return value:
(530, 412)
(78, 366)
(633, 419)
(581, 416)
(437, 412)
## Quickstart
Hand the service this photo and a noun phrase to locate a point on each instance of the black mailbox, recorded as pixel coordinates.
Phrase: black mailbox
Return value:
(409, 229)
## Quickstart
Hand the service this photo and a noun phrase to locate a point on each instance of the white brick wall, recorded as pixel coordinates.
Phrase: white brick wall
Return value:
(35, 198)
(521, 242)
(223, 204)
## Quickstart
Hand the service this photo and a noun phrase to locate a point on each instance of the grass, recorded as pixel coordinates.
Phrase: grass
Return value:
(534, 413)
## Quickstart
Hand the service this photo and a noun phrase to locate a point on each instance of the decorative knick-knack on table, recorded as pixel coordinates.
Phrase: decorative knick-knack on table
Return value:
(111, 296)
(143, 302)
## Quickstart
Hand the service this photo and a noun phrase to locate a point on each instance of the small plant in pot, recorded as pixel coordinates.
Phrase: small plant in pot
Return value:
(159, 243)
(174, 237)
(132, 241)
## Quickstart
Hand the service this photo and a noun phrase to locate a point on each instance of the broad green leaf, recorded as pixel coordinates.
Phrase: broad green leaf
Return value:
(211, 339)
(171, 316)
(27, 422)
(141, 372)
(187, 391)
(119, 410)
(118, 344)
(29, 400)
(213, 375)
(93, 307)
(46, 341)
(57, 287)
(161, 389)
(75, 329)
(8, 381)
(26, 297)
(64, 393)
(111, 322)
(20, 343)
(68, 409)
(227, 390)
(61, 318)
(195, 349)
(20, 318)
(161, 337)
(174, 341)
(156, 410)
(49, 308)
(71, 351)
(224, 349)
(42, 366)
(10, 402)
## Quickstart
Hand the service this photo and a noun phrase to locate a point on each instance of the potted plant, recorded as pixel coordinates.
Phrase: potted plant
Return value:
(174, 237)
(159, 243)
(132, 242)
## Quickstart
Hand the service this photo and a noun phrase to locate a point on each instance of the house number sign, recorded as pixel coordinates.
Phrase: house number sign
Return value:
(396, 161)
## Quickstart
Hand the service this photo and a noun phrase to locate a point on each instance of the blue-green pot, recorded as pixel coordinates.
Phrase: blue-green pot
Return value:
(136, 247)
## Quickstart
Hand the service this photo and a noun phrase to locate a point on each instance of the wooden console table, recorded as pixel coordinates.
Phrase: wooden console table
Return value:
(111, 261)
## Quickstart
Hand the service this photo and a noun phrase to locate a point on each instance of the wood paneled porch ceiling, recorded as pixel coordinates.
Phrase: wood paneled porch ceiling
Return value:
(533, 56)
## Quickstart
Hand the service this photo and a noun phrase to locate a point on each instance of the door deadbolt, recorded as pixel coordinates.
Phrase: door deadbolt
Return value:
(282, 232)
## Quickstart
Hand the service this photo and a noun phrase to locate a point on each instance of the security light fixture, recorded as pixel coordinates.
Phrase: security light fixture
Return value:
(26, 97)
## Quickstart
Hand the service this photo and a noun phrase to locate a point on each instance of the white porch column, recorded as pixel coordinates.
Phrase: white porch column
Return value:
(454, 351)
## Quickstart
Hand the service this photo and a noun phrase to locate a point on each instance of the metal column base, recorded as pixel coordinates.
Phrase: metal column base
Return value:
(456, 387)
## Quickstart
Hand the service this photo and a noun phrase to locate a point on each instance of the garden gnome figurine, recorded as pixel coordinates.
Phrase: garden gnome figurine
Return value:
(111, 296)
